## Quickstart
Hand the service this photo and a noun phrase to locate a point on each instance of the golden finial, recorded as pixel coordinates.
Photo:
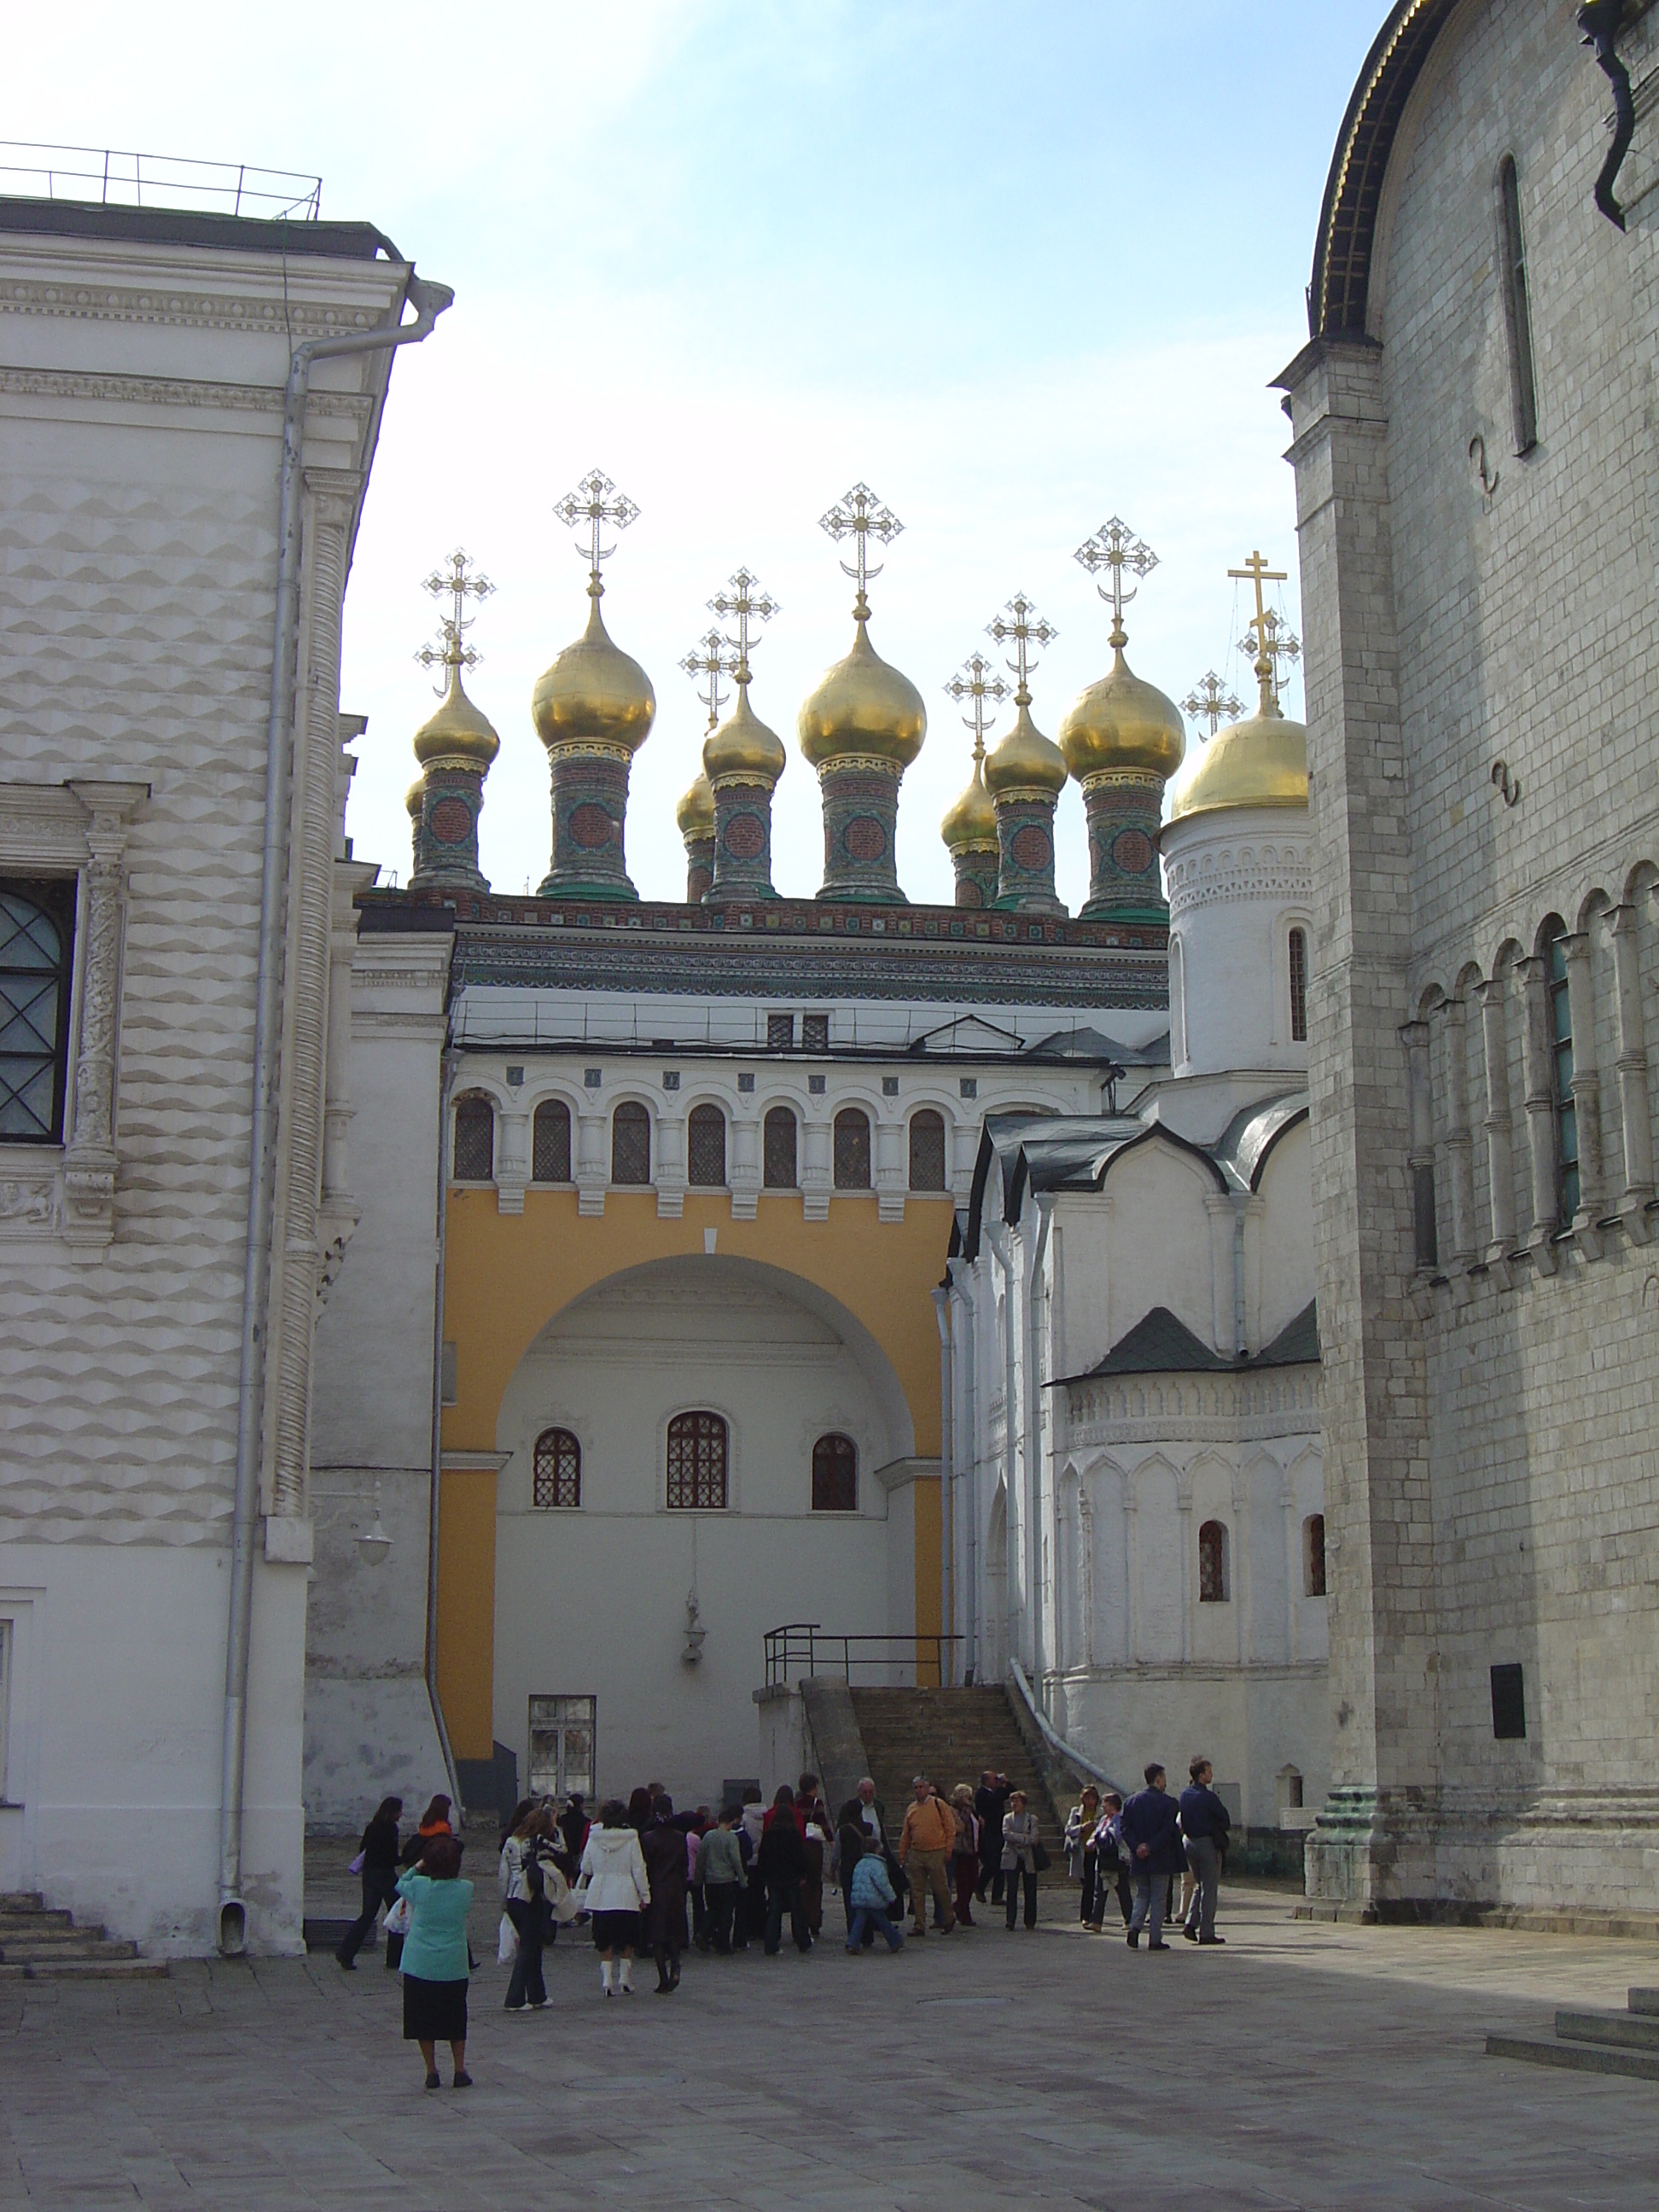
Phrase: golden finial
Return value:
(1256, 571)
(746, 600)
(975, 681)
(1114, 548)
(596, 505)
(1210, 700)
(459, 585)
(1279, 642)
(709, 660)
(861, 516)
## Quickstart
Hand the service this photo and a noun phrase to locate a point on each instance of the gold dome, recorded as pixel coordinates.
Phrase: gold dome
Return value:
(696, 811)
(458, 730)
(1025, 758)
(1260, 762)
(973, 819)
(1122, 723)
(593, 694)
(742, 745)
(414, 799)
(861, 706)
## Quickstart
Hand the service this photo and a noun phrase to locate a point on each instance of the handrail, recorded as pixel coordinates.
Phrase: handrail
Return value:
(1057, 1742)
(805, 1644)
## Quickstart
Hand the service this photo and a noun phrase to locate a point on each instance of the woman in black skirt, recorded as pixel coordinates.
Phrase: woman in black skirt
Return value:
(434, 1960)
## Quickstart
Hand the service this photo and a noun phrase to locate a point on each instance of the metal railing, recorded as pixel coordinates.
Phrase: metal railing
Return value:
(110, 178)
(802, 1647)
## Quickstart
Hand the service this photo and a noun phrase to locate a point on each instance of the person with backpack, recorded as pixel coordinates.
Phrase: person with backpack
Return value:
(526, 1867)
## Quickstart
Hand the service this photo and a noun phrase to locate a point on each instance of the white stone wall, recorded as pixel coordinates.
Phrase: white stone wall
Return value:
(1238, 883)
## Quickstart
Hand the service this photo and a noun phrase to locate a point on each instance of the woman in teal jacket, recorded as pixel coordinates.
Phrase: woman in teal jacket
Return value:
(434, 1960)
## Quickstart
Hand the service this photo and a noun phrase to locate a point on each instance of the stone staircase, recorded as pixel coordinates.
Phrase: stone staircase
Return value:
(40, 1946)
(1595, 2042)
(951, 1736)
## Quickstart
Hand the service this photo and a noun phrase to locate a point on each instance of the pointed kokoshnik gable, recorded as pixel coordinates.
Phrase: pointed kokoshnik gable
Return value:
(594, 710)
(861, 729)
(454, 747)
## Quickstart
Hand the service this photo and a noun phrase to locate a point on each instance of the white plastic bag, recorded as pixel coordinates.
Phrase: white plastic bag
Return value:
(398, 1920)
(507, 1942)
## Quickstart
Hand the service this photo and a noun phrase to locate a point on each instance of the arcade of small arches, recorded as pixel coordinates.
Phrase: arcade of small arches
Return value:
(695, 1462)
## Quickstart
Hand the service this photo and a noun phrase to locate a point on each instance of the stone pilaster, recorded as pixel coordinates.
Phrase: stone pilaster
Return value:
(1124, 809)
(976, 867)
(743, 840)
(87, 1223)
(1025, 852)
(590, 815)
(860, 825)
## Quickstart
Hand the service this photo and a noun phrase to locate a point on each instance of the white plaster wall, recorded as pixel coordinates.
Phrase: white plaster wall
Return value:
(1143, 1242)
(1279, 1239)
(1238, 881)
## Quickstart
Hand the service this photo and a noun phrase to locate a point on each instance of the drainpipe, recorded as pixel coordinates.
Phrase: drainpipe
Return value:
(446, 1089)
(1240, 1202)
(961, 1289)
(430, 301)
(947, 1472)
(999, 1244)
(1034, 1427)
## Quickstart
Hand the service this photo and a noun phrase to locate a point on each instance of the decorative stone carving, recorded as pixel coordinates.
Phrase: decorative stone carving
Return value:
(88, 1221)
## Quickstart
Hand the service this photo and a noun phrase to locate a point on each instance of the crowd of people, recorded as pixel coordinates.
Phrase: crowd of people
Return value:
(650, 1881)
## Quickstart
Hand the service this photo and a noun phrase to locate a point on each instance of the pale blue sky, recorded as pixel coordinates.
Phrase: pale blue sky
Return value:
(1017, 268)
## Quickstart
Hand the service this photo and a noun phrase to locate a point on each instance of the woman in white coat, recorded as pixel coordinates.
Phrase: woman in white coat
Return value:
(614, 1889)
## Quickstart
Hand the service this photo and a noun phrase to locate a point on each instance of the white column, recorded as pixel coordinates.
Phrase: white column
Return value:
(742, 1168)
(513, 1140)
(1456, 1144)
(668, 1169)
(1426, 1252)
(1633, 1100)
(891, 1171)
(592, 1160)
(815, 1169)
(87, 1222)
(1500, 1161)
(1586, 1089)
(1540, 1110)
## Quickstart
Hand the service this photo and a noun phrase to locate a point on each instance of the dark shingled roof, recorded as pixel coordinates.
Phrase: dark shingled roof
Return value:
(1159, 1344)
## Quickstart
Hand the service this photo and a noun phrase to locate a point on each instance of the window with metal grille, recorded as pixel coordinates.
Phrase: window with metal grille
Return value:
(780, 1032)
(1313, 1555)
(927, 1150)
(37, 935)
(1517, 314)
(852, 1149)
(781, 1132)
(630, 1144)
(1299, 986)
(696, 1462)
(705, 1148)
(475, 1138)
(558, 1472)
(835, 1475)
(1567, 1107)
(1212, 1564)
(549, 1156)
(814, 1032)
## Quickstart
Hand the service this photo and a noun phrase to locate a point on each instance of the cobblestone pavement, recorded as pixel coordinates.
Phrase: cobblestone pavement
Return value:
(1307, 2065)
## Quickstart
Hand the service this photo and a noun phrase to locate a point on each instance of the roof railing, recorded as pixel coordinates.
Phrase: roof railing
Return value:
(108, 176)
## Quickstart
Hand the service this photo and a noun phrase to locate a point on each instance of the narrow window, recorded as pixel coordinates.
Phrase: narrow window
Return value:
(852, 1149)
(1517, 314)
(927, 1150)
(705, 1150)
(1177, 1004)
(1313, 1555)
(1566, 1107)
(558, 1472)
(37, 927)
(561, 1737)
(1509, 1704)
(835, 1475)
(1299, 986)
(780, 1032)
(550, 1158)
(780, 1138)
(475, 1138)
(630, 1144)
(696, 1462)
(1212, 1564)
(814, 1032)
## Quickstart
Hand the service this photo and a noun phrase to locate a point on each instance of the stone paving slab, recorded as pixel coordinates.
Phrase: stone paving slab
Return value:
(1324, 2068)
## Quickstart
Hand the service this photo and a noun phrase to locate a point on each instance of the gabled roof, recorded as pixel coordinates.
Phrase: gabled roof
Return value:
(1246, 1144)
(1162, 1344)
(1296, 1344)
(1091, 1045)
(967, 1033)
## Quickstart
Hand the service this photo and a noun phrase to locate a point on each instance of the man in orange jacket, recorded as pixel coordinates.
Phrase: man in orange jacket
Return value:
(925, 1846)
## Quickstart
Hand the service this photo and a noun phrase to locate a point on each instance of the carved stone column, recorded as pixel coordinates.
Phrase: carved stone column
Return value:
(1500, 1162)
(890, 1176)
(1456, 1141)
(1540, 1110)
(512, 1160)
(742, 1170)
(815, 1170)
(1586, 1092)
(87, 1224)
(1425, 1248)
(1634, 1107)
(593, 1161)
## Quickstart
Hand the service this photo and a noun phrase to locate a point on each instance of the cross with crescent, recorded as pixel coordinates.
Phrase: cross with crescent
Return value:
(745, 599)
(709, 660)
(1256, 571)
(976, 680)
(460, 585)
(1210, 701)
(861, 516)
(1114, 548)
(595, 506)
(1027, 628)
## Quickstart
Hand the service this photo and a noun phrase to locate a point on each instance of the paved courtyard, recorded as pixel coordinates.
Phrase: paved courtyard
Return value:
(1305, 2065)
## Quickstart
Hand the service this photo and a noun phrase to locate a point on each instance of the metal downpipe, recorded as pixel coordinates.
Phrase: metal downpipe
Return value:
(445, 1085)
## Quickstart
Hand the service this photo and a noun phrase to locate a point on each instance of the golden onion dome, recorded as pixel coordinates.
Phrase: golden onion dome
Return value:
(696, 811)
(973, 819)
(1122, 723)
(743, 746)
(1025, 759)
(414, 799)
(593, 694)
(1260, 762)
(458, 730)
(862, 706)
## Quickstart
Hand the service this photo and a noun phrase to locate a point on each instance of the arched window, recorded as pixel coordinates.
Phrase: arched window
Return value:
(1313, 1555)
(927, 1150)
(1299, 986)
(1177, 1003)
(1518, 313)
(630, 1144)
(696, 1462)
(781, 1132)
(475, 1138)
(705, 1149)
(835, 1475)
(549, 1157)
(1567, 1107)
(1212, 1588)
(558, 1473)
(852, 1149)
(37, 925)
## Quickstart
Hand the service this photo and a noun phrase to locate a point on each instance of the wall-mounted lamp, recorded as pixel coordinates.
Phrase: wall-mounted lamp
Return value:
(374, 1543)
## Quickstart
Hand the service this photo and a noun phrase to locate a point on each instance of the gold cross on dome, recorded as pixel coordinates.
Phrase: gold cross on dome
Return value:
(1210, 700)
(1275, 640)
(1114, 548)
(708, 661)
(1256, 571)
(595, 506)
(1027, 628)
(860, 516)
(459, 584)
(746, 599)
(976, 680)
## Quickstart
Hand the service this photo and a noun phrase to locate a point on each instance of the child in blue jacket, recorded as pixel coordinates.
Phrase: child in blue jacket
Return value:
(873, 1892)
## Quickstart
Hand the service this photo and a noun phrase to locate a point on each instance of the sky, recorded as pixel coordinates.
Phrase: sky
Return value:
(1018, 269)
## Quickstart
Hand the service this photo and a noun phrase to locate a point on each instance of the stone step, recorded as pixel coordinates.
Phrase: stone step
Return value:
(1579, 2058)
(1629, 2031)
(31, 1955)
(1645, 2001)
(21, 1900)
(33, 1924)
(49, 1930)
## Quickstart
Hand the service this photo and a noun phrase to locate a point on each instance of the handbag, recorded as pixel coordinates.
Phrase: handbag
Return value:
(1039, 1858)
(398, 1920)
(356, 1866)
(507, 1942)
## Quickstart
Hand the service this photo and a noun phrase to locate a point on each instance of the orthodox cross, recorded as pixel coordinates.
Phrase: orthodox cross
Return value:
(1277, 641)
(1027, 628)
(745, 599)
(1256, 571)
(975, 680)
(860, 516)
(1114, 548)
(1210, 700)
(460, 585)
(595, 506)
(709, 660)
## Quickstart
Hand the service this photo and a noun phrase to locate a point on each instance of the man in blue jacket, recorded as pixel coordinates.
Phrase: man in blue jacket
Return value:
(1151, 1839)
(1204, 1825)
